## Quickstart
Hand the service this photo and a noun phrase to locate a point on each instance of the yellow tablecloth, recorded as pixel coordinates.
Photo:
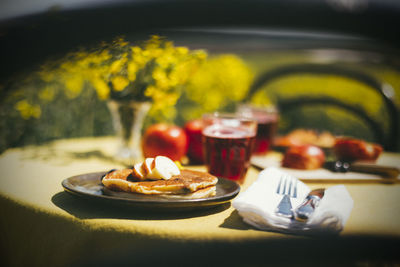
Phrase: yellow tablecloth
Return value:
(43, 225)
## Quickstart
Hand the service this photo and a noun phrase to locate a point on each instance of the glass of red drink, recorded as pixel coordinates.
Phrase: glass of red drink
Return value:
(228, 142)
(267, 123)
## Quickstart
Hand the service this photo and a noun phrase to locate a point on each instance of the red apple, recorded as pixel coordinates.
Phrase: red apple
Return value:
(305, 157)
(355, 149)
(164, 140)
(193, 130)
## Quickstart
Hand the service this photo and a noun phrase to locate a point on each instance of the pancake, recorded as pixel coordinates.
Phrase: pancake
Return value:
(189, 183)
(201, 193)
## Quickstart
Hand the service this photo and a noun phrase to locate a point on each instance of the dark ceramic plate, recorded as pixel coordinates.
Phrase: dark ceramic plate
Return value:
(89, 186)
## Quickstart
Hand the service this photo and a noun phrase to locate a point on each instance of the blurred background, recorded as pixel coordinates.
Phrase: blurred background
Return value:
(326, 65)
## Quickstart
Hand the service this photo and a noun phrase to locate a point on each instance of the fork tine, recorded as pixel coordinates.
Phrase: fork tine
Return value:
(285, 178)
(290, 189)
(279, 186)
(295, 189)
(285, 186)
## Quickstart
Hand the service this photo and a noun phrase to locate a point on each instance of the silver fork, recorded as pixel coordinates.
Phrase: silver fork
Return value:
(288, 188)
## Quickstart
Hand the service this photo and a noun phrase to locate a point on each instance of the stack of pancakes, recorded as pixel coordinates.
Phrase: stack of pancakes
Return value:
(189, 184)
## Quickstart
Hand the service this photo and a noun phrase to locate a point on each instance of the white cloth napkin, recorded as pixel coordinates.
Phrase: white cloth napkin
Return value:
(258, 203)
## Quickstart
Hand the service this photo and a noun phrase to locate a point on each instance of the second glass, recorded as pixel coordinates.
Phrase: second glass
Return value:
(228, 142)
(267, 124)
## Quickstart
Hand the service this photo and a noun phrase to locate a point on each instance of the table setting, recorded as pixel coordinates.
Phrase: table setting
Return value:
(44, 202)
(326, 214)
(219, 178)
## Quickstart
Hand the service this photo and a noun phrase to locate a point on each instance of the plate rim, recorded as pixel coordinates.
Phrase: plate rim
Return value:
(162, 202)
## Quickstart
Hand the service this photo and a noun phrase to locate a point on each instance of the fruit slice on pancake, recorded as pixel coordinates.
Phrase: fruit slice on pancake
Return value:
(137, 171)
(147, 165)
(162, 168)
(154, 169)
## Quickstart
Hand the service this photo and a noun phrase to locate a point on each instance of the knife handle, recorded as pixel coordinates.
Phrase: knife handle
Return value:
(363, 167)
(367, 167)
(306, 209)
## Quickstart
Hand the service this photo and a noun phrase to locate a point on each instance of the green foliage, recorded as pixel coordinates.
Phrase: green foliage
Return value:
(67, 98)
(70, 102)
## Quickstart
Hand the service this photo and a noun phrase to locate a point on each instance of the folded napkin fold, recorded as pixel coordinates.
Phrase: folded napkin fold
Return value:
(258, 203)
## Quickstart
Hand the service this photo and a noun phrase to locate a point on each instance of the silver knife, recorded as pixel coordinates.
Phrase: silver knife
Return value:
(307, 207)
(363, 167)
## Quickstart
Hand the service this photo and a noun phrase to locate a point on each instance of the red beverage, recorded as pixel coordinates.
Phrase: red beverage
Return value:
(267, 124)
(228, 150)
(266, 129)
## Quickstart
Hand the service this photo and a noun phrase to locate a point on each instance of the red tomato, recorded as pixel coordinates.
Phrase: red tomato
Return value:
(164, 140)
(193, 131)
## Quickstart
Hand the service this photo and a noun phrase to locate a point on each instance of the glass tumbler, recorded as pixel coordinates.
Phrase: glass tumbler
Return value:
(267, 123)
(228, 142)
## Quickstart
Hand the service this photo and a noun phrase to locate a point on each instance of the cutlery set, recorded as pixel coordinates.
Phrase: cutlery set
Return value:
(287, 187)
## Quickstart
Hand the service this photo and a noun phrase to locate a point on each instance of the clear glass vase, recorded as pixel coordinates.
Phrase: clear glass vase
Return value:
(128, 118)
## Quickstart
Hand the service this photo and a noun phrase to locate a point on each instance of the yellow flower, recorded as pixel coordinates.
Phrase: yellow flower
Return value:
(200, 54)
(182, 50)
(160, 78)
(117, 65)
(225, 78)
(27, 110)
(157, 52)
(154, 70)
(102, 89)
(153, 43)
(119, 83)
(166, 59)
(150, 91)
(174, 79)
(132, 70)
(139, 58)
(47, 93)
(136, 50)
(97, 57)
(47, 75)
(74, 84)
(120, 42)
(68, 66)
